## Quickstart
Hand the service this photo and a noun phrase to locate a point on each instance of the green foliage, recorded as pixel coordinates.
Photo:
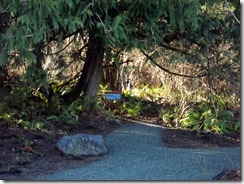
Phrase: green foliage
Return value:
(210, 116)
(131, 109)
(69, 114)
(103, 89)
(68, 117)
(115, 21)
(167, 117)
(30, 29)
(154, 94)
(206, 118)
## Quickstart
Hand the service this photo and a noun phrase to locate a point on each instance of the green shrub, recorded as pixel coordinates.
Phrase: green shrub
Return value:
(131, 109)
(191, 119)
(209, 120)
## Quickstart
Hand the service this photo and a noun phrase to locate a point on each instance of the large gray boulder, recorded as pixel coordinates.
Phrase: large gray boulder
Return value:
(82, 145)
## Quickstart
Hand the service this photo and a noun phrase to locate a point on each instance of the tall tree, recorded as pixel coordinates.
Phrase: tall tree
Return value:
(108, 24)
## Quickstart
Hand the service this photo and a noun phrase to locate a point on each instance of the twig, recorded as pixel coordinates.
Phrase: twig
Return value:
(105, 29)
(57, 52)
(125, 62)
(87, 6)
(24, 36)
(230, 10)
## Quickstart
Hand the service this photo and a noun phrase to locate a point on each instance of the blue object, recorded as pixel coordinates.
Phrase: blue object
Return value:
(112, 96)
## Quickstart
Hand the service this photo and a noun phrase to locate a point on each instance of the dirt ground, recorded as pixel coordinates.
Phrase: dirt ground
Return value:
(26, 154)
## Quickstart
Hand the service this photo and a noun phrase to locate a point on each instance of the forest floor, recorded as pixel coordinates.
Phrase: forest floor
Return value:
(26, 154)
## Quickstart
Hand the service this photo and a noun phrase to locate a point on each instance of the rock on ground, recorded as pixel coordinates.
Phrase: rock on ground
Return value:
(82, 145)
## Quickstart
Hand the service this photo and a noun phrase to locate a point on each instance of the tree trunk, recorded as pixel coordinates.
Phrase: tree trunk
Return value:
(89, 81)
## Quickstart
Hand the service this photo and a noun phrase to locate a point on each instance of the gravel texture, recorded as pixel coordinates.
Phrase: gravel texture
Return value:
(135, 152)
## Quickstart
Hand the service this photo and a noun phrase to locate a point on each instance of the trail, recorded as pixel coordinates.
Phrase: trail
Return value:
(137, 153)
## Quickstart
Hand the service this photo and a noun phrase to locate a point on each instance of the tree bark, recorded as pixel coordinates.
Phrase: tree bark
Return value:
(89, 81)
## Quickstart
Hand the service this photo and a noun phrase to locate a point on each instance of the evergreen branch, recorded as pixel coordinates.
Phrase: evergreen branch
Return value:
(54, 35)
(87, 6)
(24, 36)
(170, 72)
(104, 26)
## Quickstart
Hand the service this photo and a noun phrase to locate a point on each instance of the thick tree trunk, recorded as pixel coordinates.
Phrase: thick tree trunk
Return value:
(89, 81)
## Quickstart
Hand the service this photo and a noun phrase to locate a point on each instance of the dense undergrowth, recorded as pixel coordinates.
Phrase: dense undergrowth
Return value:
(32, 109)
(213, 114)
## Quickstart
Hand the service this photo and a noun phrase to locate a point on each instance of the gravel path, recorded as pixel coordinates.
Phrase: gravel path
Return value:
(136, 153)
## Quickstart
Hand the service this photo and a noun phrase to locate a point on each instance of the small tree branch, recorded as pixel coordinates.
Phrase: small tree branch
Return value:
(230, 10)
(69, 81)
(57, 52)
(175, 49)
(111, 65)
(172, 73)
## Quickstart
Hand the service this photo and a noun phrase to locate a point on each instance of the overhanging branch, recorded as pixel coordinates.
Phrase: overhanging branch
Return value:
(170, 72)
(175, 49)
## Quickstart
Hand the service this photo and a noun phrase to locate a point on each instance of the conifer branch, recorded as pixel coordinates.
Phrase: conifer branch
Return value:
(170, 72)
